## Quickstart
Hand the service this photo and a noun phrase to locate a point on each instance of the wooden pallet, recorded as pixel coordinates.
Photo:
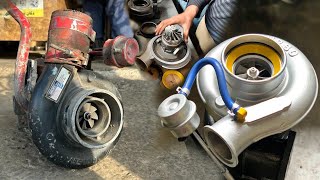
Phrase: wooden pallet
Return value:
(10, 30)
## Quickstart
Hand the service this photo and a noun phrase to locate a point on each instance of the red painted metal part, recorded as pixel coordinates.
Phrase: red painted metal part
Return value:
(22, 55)
(70, 34)
(64, 22)
(120, 52)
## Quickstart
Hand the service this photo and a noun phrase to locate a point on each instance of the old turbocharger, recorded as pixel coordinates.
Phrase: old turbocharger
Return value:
(75, 116)
(273, 83)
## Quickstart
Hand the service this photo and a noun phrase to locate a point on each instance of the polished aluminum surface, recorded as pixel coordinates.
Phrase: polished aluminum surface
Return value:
(179, 115)
(297, 81)
(167, 50)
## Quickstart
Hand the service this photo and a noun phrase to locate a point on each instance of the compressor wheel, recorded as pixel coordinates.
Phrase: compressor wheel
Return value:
(93, 117)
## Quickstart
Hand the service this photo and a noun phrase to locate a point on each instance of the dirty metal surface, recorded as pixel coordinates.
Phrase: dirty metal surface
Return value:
(69, 37)
(145, 150)
(22, 55)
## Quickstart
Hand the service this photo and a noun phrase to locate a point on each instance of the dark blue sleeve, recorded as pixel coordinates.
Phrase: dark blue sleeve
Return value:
(199, 3)
(218, 18)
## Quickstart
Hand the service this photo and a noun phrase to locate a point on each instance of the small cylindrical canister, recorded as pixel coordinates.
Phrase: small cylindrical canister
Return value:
(120, 52)
(171, 79)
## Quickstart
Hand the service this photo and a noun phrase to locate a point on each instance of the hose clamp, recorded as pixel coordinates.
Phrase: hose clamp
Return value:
(184, 91)
(234, 106)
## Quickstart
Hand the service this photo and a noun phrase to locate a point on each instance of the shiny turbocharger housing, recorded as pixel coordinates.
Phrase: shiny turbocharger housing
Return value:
(270, 78)
(170, 53)
(167, 50)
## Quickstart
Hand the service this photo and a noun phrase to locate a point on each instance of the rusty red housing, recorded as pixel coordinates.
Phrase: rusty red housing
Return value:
(22, 55)
(120, 52)
(70, 34)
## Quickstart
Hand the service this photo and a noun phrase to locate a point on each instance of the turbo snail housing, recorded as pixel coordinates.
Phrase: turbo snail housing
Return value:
(142, 10)
(76, 117)
(167, 50)
(269, 77)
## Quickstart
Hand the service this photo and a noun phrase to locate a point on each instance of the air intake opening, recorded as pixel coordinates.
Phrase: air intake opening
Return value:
(253, 61)
(253, 67)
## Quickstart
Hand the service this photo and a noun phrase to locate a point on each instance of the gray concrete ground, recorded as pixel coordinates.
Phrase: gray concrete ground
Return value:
(146, 150)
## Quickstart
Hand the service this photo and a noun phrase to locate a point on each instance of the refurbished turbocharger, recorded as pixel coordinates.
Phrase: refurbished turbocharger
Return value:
(167, 50)
(170, 53)
(257, 85)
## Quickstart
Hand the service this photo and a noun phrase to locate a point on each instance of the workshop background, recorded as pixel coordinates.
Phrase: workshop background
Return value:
(146, 150)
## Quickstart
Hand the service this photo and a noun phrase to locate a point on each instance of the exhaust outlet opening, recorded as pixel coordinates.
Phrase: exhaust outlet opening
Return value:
(220, 148)
(142, 64)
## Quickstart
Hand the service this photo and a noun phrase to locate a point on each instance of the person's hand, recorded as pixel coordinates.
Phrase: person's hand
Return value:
(184, 19)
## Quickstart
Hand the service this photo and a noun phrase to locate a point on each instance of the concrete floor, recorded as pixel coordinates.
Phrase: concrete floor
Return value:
(145, 149)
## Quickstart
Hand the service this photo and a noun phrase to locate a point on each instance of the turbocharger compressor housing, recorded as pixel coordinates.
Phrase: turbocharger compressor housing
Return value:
(141, 9)
(76, 118)
(269, 76)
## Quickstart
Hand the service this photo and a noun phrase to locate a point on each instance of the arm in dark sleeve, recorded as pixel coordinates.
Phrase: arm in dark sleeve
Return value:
(199, 3)
(218, 18)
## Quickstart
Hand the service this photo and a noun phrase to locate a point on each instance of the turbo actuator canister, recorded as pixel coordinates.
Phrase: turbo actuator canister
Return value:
(179, 115)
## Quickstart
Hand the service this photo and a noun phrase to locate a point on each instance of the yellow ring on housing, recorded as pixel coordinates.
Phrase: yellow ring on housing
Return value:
(171, 72)
(254, 48)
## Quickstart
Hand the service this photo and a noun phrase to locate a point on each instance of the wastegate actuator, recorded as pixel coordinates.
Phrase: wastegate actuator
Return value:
(257, 85)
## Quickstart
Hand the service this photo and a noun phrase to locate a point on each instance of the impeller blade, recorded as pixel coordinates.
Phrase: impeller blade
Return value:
(84, 125)
(90, 123)
(262, 70)
(243, 76)
(80, 119)
(241, 70)
(94, 116)
(86, 107)
(252, 64)
(92, 109)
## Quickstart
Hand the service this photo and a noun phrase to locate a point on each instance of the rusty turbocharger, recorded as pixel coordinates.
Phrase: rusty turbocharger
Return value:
(75, 117)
